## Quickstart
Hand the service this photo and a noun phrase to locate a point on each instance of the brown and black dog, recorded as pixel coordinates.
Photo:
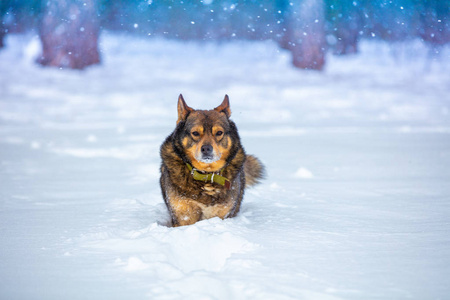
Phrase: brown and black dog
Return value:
(204, 167)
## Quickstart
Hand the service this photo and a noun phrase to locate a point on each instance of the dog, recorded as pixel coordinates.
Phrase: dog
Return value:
(204, 168)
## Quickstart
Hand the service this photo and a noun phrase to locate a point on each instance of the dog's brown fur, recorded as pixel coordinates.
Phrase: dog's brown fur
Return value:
(199, 132)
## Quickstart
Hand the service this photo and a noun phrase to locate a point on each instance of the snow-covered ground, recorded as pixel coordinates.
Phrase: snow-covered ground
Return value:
(356, 204)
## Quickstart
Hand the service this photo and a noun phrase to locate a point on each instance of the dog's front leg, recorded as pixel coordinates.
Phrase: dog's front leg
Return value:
(184, 212)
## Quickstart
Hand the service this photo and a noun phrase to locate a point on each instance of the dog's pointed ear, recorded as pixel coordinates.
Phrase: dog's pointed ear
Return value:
(224, 107)
(183, 109)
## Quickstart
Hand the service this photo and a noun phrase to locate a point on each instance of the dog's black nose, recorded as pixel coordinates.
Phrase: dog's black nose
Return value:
(207, 150)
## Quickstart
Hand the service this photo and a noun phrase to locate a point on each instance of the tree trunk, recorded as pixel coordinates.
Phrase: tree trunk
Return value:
(345, 21)
(69, 32)
(2, 34)
(306, 34)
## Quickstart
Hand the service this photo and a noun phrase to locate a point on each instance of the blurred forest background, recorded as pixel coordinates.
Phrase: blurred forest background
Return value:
(69, 29)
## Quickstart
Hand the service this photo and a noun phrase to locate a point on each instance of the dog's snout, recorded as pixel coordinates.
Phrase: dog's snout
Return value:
(207, 154)
(207, 150)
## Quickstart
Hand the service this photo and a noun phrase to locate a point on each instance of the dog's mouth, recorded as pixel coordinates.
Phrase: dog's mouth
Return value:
(208, 159)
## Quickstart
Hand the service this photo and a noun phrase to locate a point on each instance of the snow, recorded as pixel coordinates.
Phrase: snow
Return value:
(303, 173)
(356, 204)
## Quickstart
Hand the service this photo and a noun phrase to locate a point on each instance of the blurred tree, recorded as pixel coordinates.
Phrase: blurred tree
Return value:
(2, 35)
(343, 19)
(69, 31)
(3, 8)
(434, 21)
(305, 33)
(388, 20)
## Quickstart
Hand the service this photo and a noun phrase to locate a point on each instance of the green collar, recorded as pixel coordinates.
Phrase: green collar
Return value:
(209, 177)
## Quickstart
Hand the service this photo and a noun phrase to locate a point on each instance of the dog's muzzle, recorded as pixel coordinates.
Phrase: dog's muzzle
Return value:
(207, 154)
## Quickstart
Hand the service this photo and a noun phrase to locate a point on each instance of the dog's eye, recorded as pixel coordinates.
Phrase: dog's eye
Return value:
(219, 133)
(195, 133)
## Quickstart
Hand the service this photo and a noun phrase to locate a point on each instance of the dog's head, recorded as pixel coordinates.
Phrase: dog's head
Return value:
(208, 138)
